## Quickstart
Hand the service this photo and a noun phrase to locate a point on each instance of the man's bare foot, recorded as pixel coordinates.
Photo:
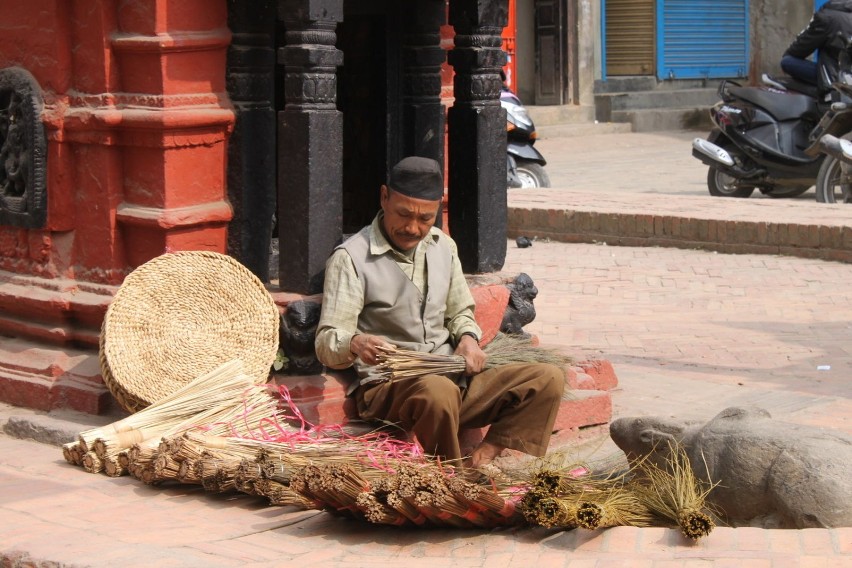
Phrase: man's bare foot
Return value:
(483, 454)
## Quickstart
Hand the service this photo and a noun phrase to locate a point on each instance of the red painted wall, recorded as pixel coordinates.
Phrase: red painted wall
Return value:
(137, 119)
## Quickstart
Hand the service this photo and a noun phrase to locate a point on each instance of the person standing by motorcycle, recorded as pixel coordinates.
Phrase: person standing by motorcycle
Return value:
(832, 18)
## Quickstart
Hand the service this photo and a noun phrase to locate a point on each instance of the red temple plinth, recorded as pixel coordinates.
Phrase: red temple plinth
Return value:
(136, 119)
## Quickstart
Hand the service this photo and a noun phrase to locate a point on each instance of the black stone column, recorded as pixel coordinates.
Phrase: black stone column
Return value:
(310, 143)
(251, 149)
(477, 135)
(422, 57)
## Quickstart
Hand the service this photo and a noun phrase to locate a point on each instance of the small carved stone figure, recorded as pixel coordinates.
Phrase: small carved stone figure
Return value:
(770, 473)
(298, 329)
(23, 150)
(520, 311)
(13, 150)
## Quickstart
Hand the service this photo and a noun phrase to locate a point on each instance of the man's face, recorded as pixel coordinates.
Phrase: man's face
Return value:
(407, 220)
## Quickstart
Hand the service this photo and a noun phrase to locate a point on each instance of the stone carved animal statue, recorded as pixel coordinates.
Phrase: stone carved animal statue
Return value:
(520, 311)
(771, 473)
(296, 336)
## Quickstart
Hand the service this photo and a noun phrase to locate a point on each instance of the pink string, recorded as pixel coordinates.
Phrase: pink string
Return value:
(376, 447)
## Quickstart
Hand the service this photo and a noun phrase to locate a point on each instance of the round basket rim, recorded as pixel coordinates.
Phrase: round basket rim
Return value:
(179, 316)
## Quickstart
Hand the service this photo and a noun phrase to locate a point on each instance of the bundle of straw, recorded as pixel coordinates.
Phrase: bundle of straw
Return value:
(397, 363)
(72, 453)
(539, 507)
(223, 402)
(674, 493)
(223, 384)
(281, 494)
(614, 507)
(560, 499)
(228, 435)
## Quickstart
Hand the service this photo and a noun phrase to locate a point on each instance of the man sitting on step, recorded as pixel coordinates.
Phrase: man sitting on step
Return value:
(399, 282)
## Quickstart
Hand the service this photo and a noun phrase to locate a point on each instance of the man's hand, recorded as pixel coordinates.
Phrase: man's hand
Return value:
(474, 357)
(366, 347)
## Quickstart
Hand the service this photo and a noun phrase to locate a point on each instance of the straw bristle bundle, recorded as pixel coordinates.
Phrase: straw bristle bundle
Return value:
(72, 454)
(397, 363)
(674, 493)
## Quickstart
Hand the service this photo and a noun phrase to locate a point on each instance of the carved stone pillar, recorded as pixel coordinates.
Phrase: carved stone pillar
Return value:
(251, 149)
(310, 147)
(477, 135)
(422, 56)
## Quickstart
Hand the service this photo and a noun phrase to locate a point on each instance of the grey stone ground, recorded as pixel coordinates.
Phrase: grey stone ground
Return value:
(689, 333)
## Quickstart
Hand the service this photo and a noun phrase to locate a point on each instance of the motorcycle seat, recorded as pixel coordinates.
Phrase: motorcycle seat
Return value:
(783, 106)
(791, 84)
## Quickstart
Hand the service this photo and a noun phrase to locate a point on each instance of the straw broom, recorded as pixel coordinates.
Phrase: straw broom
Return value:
(223, 384)
(279, 460)
(559, 498)
(281, 494)
(237, 406)
(617, 507)
(207, 399)
(72, 454)
(674, 493)
(114, 465)
(454, 501)
(92, 463)
(419, 494)
(168, 407)
(378, 511)
(539, 507)
(308, 481)
(397, 363)
(226, 415)
(498, 507)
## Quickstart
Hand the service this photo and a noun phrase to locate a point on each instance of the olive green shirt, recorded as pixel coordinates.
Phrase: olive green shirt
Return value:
(343, 295)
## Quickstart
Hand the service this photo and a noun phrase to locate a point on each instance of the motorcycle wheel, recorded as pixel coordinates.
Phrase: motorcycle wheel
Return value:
(532, 174)
(830, 186)
(723, 185)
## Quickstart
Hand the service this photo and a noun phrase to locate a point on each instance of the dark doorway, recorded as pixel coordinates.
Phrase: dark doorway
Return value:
(550, 53)
(367, 81)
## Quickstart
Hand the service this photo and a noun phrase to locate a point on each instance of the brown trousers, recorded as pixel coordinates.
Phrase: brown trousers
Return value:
(519, 401)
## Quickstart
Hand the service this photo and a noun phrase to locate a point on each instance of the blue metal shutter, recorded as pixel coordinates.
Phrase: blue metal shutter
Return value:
(702, 39)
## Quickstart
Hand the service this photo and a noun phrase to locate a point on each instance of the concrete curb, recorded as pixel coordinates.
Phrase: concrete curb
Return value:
(755, 227)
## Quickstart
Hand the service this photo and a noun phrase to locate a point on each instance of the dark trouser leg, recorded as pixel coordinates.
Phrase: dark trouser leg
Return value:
(520, 401)
(802, 69)
(427, 406)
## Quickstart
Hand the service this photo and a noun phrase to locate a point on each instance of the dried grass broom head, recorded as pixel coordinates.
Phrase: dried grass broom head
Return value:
(675, 493)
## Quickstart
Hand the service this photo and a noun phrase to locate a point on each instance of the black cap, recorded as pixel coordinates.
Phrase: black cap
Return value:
(418, 177)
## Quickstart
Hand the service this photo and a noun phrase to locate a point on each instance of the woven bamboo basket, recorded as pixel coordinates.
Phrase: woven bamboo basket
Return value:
(179, 316)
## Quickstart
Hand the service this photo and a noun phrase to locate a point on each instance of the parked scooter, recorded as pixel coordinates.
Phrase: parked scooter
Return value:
(833, 137)
(524, 163)
(834, 181)
(759, 140)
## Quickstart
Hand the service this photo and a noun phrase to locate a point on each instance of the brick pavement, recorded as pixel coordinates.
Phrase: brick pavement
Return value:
(52, 512)
(689, 332)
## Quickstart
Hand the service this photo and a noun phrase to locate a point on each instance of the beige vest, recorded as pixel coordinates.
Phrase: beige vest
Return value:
(394, 307)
